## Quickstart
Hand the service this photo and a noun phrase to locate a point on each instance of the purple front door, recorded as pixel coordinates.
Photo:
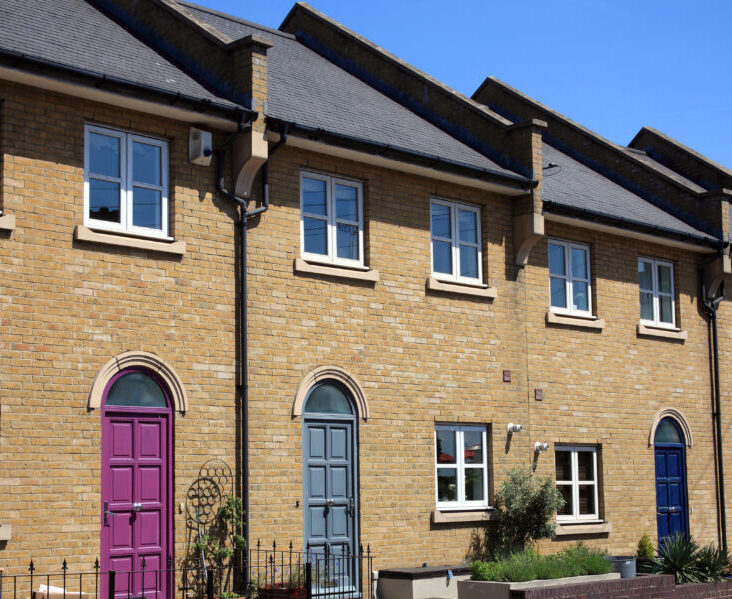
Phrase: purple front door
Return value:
(136, 528)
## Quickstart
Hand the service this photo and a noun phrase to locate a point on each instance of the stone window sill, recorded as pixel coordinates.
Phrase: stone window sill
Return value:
(7, 222)
(648, 331)
(343, 272)
(82, 233)
(447, 517)
(594, 528)
(434, 284)
(586, 322)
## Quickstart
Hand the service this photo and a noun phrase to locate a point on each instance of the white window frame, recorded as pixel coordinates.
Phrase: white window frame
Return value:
(569, 279)
(575, 483)
(126, 183)
(460, 467)
(455, 243)
(332, 221)
(656, 322)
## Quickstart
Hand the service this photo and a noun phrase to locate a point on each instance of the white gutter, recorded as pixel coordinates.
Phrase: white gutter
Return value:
(398, 165)
(123, 101)
(593, 226)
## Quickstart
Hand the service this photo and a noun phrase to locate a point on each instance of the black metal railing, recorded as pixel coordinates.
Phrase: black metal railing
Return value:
(262, 573)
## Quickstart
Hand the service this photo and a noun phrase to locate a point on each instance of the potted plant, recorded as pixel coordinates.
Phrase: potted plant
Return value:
(220, 544)
(273, 586)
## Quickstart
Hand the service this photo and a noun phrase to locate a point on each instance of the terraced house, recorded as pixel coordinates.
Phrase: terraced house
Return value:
(286, 265)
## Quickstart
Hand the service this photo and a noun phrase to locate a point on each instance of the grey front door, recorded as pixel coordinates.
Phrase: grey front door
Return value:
(330, 502)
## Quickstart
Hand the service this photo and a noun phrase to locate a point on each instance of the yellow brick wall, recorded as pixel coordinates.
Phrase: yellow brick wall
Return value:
(424, 357)
(67, 307)
(421, 357)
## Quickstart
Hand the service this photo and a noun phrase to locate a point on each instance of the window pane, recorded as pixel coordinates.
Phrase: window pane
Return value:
(104, 200)
(328, 399)
(467, 226)
(316, 240)
(579, 296)
(645, 276)
(447, 484)
(147, 208)
(104, 155)
(473, 441)
(664, 279)
(446, 453)
(579, 263)
(347, 241)
(313, 196)
(646, 305)
(146, 163)
(559, 293)
(567, 508)
(347, 202)
(666, 432)
(136, 389)
(664, 305)
(442, 257)
(556, 259)
(473, 484)
(441, 224)
(585, 465)
(468, 261)
(563, 465)
(586, 500)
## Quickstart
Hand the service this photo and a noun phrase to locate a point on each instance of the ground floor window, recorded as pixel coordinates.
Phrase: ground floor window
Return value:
(576, 475)
(461, 466)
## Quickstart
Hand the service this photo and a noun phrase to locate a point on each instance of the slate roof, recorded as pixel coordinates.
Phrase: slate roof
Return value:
(307, 89)
(73, 33)
(661, 168)
(573, 185)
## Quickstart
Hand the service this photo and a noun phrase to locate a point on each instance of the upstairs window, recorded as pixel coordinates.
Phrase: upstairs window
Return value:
(456, 254)
(576, 476)
(656, 287)
(125, 182)
(462, 466)
(331, 219)
(569, 278)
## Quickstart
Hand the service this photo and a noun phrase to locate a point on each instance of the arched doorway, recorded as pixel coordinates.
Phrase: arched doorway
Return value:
(137, 527)
(671, 499)
(330, 477)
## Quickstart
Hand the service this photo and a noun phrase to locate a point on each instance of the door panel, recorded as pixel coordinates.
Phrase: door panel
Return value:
(330, 514)
(135, 479)
(670, 492)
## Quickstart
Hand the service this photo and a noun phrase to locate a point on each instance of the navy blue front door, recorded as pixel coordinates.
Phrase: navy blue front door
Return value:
(671, 512)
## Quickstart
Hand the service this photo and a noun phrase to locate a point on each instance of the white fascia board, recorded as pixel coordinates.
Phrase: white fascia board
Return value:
(398, 165)
(620, 232)
(123, 101)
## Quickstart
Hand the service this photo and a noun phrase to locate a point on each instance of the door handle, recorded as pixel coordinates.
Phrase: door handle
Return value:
(136, 507)
(106, 513)
(329, 502)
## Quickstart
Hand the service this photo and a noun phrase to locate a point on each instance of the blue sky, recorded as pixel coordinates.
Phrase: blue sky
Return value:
(613, 66)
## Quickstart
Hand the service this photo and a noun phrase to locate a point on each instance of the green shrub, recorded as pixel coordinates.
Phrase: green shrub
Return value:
(678, 556)
(524, 510)
(645, 548)
(576, 560)
(713, 562)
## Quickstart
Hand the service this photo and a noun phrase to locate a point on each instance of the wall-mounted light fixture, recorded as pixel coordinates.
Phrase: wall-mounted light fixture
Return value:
(540, 447)
(514, 428)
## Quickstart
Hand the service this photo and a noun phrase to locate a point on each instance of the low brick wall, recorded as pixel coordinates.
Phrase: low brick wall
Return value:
(719, 590)
(643, 587)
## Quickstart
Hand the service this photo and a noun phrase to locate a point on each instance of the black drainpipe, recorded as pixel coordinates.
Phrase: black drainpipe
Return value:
(712, 307)
(244, 216)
